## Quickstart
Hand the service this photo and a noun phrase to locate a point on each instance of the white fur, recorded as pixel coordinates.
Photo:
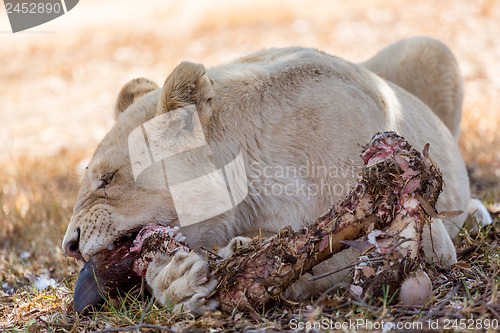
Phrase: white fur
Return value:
(234, 244)
(186, 274)
(479, 212)
(293, 108)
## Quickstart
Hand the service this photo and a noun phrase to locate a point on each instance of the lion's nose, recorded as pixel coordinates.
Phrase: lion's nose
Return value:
(72, 247)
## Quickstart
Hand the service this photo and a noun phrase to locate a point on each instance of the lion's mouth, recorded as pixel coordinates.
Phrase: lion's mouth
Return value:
(126, 237)
(92, 285)
(116, 270)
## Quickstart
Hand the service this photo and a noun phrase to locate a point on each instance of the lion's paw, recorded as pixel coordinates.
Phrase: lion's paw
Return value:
(198, 304)
(183, 281)
(234, 244)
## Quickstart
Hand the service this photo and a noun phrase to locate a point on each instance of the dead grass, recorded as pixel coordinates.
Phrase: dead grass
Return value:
(44, 104)
(36, 204)
(36, 201)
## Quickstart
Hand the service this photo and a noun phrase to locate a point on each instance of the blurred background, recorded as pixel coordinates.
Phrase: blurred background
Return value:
(59, 81)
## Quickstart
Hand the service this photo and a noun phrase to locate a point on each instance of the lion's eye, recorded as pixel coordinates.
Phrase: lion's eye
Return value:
(105, 179)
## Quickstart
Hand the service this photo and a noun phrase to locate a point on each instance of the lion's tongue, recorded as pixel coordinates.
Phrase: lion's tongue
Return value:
(106, 274)
(88, 289)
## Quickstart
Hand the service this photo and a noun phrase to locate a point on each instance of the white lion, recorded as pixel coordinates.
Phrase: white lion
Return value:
(286, 109)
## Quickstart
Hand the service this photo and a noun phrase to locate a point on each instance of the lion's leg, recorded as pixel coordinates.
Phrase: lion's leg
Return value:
(439, 248)
(304, 288)
(479, 213)
(426, 68)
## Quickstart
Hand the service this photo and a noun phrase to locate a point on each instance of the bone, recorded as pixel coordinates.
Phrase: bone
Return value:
(387, 198)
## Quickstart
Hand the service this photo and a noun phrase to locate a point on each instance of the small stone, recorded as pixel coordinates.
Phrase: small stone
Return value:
(416, 290)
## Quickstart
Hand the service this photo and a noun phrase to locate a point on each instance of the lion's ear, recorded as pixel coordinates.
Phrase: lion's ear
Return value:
(131, 91)
(188, 84)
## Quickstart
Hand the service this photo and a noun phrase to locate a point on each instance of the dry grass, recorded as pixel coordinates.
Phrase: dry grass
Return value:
(35, 204)
(36, 201)
(55, 88)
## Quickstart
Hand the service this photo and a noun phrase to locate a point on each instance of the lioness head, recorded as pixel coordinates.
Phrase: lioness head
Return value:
(110, 204)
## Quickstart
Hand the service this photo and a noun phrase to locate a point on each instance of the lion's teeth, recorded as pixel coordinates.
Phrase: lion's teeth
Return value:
(111, 247)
